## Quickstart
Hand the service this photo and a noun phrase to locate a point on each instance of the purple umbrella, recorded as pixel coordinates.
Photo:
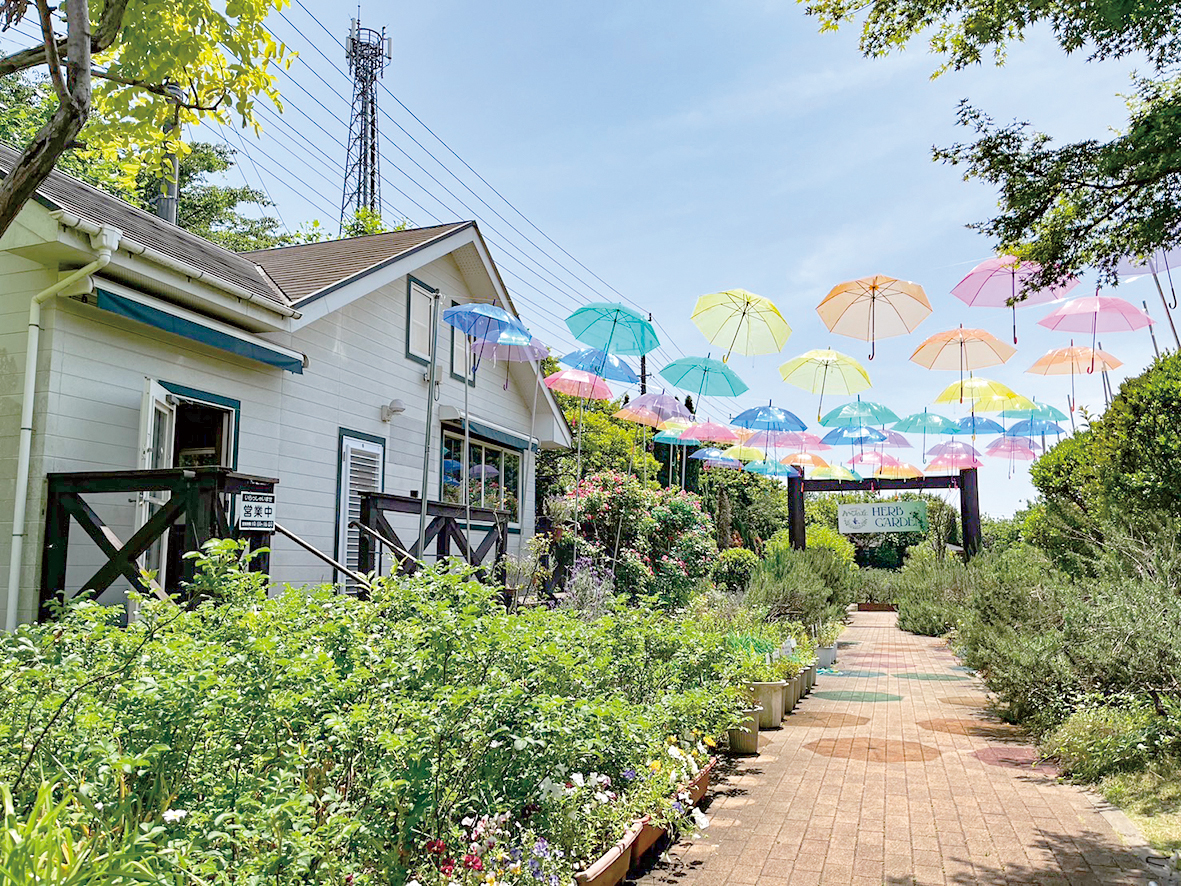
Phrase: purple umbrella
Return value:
(996, 283)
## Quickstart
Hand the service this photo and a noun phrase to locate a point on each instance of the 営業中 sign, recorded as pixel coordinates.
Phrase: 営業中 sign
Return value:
(887, 516)
(256, 512)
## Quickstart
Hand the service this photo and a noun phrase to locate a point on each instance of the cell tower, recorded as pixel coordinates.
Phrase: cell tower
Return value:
(367, 52)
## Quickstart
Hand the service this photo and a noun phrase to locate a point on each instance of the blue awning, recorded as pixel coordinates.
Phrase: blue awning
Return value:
(187, 324)
(496, 435)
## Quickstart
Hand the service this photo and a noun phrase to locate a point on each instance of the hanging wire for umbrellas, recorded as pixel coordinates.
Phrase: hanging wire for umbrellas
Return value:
(1002, 281)
(741, 322)
(825, 370)
(874, 307)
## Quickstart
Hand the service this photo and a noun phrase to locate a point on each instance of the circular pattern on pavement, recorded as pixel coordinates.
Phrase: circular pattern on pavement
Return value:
(852, 695)
(827, 720)
(1015, 757)
(977, 728)
(874, 750)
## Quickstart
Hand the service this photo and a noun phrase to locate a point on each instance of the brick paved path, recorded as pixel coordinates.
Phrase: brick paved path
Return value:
(892, 773)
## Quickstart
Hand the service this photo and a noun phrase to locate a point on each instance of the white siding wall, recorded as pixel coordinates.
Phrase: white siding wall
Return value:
(90, 394)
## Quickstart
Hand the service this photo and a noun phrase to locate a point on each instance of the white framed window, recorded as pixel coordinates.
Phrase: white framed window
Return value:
(419, 300)
(362, 469)
(493, 475)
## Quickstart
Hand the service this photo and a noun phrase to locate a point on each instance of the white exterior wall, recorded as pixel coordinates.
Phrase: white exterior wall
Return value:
(90, 394)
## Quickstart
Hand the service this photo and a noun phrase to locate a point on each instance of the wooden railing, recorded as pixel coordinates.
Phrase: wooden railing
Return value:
(198, 495)
(445, 531)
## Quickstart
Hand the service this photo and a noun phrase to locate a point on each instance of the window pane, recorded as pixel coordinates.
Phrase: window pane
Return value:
(512, 485)
(452, 472)
(420, 323)
(476, 475)
(491, 477)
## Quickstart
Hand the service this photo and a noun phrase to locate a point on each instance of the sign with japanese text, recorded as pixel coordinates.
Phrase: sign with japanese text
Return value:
(256, 512)
(886, 516)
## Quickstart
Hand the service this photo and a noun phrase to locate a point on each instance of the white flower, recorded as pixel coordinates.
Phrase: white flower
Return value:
(700, 819)
(601, 797)
(675, 752)
(174, 815)
(98, 806)
(413, 883)
(578, 780)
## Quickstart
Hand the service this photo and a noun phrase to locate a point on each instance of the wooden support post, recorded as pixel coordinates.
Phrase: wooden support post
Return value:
(970, 511)
(795, 513)
(53, 558)
(367, 547)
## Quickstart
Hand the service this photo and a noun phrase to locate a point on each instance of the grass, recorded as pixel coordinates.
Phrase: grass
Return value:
(1150, 797)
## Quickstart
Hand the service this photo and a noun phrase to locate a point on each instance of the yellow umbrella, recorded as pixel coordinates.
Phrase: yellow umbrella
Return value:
(1002, 403)
(743, 453)
(742, 322)
(824, 369)
(974, 389)
(874, 307)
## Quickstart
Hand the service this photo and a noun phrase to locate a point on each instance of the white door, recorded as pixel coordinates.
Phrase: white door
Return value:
(157, 429)
(361, 470)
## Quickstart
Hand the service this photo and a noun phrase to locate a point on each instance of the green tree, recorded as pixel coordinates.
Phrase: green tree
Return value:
(363, 222)
(1068, 207)
(127, 77)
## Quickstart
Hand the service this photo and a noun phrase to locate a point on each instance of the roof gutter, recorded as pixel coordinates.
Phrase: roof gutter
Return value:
(71, 220)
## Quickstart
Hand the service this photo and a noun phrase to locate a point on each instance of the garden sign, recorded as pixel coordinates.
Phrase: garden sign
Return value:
(890, 516)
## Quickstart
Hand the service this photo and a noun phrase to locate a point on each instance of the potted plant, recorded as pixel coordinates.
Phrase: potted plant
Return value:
(826, 643)
(744, 738)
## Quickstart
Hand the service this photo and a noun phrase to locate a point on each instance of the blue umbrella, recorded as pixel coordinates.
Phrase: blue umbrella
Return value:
(768, 418)
(614, 328)
(837, 436)
(600, 363)
(977, 424)
(709, 378)
(483, 321)
(710, 452)
(1033, 426)
(771, 468)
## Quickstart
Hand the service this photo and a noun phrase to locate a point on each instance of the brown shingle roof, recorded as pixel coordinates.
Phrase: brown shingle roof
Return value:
(310, 268)
(63, 191)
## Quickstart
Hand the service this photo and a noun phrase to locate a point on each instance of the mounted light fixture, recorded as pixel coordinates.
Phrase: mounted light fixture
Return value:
(394, 407)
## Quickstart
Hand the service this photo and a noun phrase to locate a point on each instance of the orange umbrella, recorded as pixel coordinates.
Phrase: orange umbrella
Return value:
(962, 349)
(804, 459)
(1073, 361)
(901, 471)
(874, 307)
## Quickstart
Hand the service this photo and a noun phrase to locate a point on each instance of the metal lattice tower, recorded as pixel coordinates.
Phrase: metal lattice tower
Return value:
(367, 52)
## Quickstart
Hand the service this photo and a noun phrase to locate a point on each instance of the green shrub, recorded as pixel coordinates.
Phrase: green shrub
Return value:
(786, 586)
(1099, 740)
(733, 569)
(928, 618)
(818, 536)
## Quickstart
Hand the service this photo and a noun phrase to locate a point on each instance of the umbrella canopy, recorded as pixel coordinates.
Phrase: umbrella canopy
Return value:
(927, 423)
(873, 458)
(894, 440)
(711, 432)
(859, 412)
(640, 416)
(804, 440)
(804, 459)
(1040, 410)
(1073, 360)
(825, 370)
(732, 463)
(510, 345)
(600, 363)
(1003, 404)
(835, 472)
(703, 376)
(771, 469)
(776, 439)
(708, 452)
(1008, 447)
(974, 389)
(484, 321)
(1034, 427)
(962, 349)
(1157, 263)
(852, 435)
(952, 448)
(949, 463)
(901, 471)
(768, 418)
(743, 453)
(664, 407)
(577, 383)
(1095, 314)
(673, 437)
(741, 322)
(997, 282)
(874, 307)
(614, 328)
(977, 424)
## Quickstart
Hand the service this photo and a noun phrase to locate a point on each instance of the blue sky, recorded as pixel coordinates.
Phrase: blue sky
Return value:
(677, 149)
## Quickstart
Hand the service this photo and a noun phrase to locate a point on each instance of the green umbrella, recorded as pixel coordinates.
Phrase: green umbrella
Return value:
(928, 423)
(614, 328)
(709, 378)
(1040, 410)
(859, 412)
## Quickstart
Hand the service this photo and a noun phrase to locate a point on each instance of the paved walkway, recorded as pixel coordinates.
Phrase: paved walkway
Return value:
(890, 773)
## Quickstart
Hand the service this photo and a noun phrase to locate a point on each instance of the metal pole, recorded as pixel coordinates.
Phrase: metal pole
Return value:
(1168, 313)
(467, 445)
(430, 417)
(1151, 331)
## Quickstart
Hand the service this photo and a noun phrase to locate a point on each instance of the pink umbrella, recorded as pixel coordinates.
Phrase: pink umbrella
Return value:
(664, 405)
(996, 283)
(804, 440)
(774, 439)
(894, 440)
(1095, 314)
(710, 432)
(1012, 447)
(578, 383)
(874, 458)
(952, 449)
(949, 463)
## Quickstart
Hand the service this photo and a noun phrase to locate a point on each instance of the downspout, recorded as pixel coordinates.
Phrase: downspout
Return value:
(104, 242)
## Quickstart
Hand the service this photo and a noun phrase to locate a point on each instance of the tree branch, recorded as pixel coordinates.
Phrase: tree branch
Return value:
(157, 89)
(102, 39)
(53, 62)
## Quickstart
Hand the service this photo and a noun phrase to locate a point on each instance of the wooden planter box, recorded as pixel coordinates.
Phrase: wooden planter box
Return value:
(877, 607)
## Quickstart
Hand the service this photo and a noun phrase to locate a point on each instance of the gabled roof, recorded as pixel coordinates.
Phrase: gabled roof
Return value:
(307, 269)
(63, 191)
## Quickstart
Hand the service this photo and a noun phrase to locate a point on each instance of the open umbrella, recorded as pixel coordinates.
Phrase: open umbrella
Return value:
(768, 418)
(894, 440)
(973, 388)
(859, 412)
(873, 457)
(707, 453)
(772, 439)
(771, 468)
(1073, 361)
(731, 463)
(600, 363)
(962, 349)
(952, 448)
(997, 283)
(804, 460)
(1095, 314)
(927, 423)
(853, 436)
(1004, 404)
(663, 406)
(704, 376)
(835, 472)
(613, 328)
(710, 432)
(1159, 262)
(952, 463)
(977, 424)
(484, 321)
(874, 307)
(743, 453)
(901, 471)
(1034, 427)
(823, 370)
(1008, 447)
(509, 345)
(1039, 410)
(741, 322)
(804, 440)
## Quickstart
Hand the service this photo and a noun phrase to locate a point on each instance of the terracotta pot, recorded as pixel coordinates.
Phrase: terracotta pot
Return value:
(612, 866)
(649, 833)
(700, 783)
(744, 738)
(769, 696)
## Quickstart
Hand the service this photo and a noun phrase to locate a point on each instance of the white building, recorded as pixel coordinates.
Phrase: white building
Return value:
(179, 353)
